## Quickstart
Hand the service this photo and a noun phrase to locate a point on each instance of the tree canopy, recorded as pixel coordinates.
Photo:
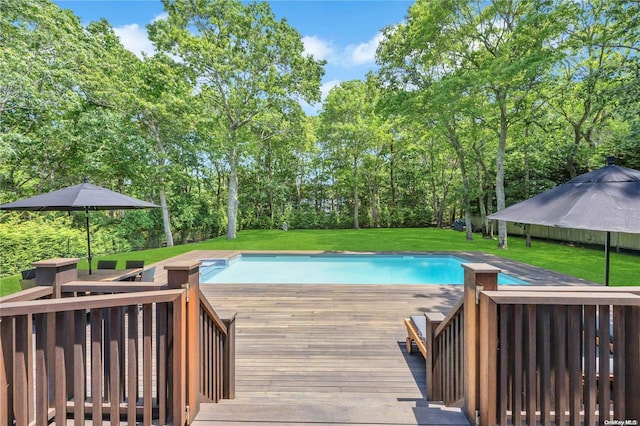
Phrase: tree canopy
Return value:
(473, 106)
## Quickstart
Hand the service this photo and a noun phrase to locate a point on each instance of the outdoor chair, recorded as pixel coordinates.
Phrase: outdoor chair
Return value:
(29, 274)
(107, 264)
(147, 274)
(131, 264)
(417, 332)
(28, 279)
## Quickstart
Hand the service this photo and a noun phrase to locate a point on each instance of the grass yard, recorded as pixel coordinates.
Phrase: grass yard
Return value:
(580, 262)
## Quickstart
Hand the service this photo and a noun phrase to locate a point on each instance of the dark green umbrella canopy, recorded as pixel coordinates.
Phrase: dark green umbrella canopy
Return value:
(607, 199)
(83, 197)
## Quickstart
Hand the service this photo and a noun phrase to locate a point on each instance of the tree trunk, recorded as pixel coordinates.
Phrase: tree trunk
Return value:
(453, 139)
(162, 161)
(356, 201)
(165, 218)
(232, 200)
(500, 197)
(483, 199)
(375, 215)
(392, 181)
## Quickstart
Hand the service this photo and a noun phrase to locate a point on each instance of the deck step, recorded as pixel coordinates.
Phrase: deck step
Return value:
(330, 412)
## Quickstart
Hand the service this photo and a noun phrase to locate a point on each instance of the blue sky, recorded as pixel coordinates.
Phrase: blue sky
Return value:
(344, 33)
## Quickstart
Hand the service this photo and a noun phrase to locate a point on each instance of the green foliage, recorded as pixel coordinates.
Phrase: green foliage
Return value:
(219, 135)
(23, 242)
(246, 63)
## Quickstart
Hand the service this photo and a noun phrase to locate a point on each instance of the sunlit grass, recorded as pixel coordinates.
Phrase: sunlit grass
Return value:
(576, 261)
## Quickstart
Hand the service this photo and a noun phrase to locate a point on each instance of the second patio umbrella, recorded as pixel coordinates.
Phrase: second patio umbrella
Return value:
(83, 197)
(606, 199)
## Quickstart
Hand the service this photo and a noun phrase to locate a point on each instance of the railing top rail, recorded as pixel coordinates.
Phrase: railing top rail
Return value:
(576, 289)
(204, 303)
(115, 286)
(562, 298)
(88, 302)
(29, 294)
(453, 312)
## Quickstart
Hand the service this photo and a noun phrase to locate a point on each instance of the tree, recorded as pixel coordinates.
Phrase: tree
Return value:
(589, 82)
(42, 51)
(493, 51)
(349, 129)
(163, 99)
(244, 61)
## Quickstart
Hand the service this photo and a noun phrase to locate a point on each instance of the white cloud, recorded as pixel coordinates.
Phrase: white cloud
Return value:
(314, 109)
(316, 47)
(327, 86)
(349, 56)
(364, 53)
(161, 17)
(135, 39)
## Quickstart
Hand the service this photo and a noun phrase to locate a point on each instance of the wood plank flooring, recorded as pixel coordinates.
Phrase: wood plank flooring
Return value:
(326, 354)
(332, 354)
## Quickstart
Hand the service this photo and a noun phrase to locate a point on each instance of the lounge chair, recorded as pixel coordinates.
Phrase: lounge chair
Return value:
(416, 332)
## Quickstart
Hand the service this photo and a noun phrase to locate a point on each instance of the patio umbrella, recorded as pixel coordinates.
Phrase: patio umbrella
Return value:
(78, 198)
(607, 199)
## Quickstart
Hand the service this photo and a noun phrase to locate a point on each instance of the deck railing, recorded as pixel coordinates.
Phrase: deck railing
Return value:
(110, 351)
(537, 354)
(452, 354)
(549, 356)
(446, 336)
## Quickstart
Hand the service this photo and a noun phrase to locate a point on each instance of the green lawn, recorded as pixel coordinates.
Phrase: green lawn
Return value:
(579, 262)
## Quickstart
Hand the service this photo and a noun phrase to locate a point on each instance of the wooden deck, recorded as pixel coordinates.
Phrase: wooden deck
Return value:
(333, 354)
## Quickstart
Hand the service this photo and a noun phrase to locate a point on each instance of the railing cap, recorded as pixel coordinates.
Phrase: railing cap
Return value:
(185, 265)
(435, 316)
(482, 268)
(561, 298)
(56, 262)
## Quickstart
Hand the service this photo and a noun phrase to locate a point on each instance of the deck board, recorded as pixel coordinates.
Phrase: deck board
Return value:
(332, 354)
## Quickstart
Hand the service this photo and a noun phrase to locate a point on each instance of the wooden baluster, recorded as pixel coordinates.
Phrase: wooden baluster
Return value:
(147, 368)
(229, 362)
(21, 378)
(79, 365)
(632, 357)
(97, 345)
(132, 363)
(545, 365)
(590, 349)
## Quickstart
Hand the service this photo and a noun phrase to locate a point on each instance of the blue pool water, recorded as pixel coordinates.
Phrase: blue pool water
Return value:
(338, 269)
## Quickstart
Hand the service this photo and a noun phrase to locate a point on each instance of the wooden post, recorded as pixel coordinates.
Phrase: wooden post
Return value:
(488, 368)
(179, 274)
(434, 380)
(55, 272)
(477, 276)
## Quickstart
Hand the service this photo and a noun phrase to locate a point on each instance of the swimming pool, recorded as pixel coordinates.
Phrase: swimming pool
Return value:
(338, 269)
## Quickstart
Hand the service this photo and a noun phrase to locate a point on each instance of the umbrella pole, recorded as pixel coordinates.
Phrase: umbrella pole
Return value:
(86, 215)
(607, 250)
